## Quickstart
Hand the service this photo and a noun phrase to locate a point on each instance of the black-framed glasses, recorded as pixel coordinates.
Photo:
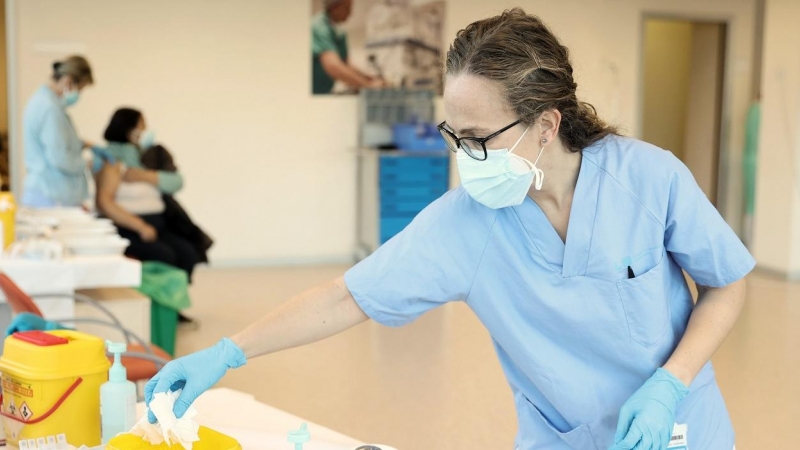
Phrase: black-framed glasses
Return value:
(475, 147)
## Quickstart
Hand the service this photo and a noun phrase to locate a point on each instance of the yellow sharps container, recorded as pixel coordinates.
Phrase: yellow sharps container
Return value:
(51, 387)
(8, 212)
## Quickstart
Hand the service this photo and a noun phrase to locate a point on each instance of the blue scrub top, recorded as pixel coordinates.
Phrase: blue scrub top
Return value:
(56, 171)
(575, 336)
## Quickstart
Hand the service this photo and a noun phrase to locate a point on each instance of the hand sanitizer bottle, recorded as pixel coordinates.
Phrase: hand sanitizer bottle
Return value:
(117, 397)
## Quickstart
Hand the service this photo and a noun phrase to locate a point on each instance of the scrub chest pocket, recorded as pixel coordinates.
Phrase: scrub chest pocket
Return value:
(645, 300)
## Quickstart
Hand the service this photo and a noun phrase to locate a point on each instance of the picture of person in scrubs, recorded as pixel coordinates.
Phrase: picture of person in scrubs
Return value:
(56, 170)
(329, 51)
(566, 239)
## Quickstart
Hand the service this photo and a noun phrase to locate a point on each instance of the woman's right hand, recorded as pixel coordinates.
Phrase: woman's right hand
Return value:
(137, 175)
(194, 374)
(148, 233)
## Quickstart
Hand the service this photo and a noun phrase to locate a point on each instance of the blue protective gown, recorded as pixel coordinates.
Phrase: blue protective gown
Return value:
(56, 171)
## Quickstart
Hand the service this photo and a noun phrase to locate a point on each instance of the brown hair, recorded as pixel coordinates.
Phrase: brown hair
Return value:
(521, 53)
(76, 67)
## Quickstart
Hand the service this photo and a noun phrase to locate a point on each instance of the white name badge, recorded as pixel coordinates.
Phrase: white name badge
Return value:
(678, 441)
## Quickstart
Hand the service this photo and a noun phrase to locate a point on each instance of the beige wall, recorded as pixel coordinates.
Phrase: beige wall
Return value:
(667, 65)
(702, 129)
(776, 243)
(270, 170)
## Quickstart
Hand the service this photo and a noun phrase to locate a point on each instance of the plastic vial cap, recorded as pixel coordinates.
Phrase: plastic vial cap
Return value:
(299, 437)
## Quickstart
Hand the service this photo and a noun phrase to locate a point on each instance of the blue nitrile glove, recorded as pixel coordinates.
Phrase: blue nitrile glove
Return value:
(31, 322)
(101, 156)
(195, 374)
(647, 418)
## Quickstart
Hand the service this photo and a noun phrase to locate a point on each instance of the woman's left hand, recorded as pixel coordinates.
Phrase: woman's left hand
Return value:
(135, 174)
(132, 175)
(647, 418)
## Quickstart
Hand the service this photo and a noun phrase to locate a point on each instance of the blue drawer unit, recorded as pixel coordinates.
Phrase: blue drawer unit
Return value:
(390, 226)
(408, 184)
(393, 188)
(400, 193)
(413, 171)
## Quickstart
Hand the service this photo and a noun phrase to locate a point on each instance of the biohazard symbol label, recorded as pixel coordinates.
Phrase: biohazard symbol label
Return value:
(25, 412)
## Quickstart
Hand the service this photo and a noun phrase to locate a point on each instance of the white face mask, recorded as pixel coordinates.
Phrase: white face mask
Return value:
(147, 139)
(503, 179)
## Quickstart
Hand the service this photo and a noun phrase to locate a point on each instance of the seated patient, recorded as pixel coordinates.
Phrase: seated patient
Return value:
(131, 195)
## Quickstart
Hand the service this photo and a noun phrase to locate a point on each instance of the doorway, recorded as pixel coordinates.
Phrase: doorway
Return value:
(683, 76)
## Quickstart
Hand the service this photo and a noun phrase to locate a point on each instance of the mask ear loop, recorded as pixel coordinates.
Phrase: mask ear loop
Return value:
(538, 174)
(519, 140)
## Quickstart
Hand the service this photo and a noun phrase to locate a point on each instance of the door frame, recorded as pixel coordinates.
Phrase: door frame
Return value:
(723, 156)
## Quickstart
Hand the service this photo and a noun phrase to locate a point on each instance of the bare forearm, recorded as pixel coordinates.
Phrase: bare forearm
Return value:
(337, 69)
(711, 321)
(312, 316)
(120, 216)
(350, 76)
(150, 177)
(142, 175)
(361, 73)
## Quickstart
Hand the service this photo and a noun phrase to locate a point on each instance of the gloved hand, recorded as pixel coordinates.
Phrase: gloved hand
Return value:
(99, 157)
(31, 322)
(195, 374)
(647, 418)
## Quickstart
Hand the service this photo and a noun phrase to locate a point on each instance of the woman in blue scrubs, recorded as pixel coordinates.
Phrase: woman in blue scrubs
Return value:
(567, 240)
(56, 171)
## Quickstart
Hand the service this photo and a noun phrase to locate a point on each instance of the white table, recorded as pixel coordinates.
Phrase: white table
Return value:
(65, 276)
(258, 426)
(74, 272)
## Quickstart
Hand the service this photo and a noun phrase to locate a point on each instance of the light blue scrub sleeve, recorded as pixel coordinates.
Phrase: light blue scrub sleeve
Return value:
(62, 147)
(697, 236)
(433, 261)
(170, 182)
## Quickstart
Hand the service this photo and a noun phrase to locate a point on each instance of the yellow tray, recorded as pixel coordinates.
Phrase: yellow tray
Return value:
(209, 440)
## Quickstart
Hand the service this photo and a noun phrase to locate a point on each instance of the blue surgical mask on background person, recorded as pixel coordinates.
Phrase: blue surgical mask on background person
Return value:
(147, 139)
(503, 179)
(70, 97)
